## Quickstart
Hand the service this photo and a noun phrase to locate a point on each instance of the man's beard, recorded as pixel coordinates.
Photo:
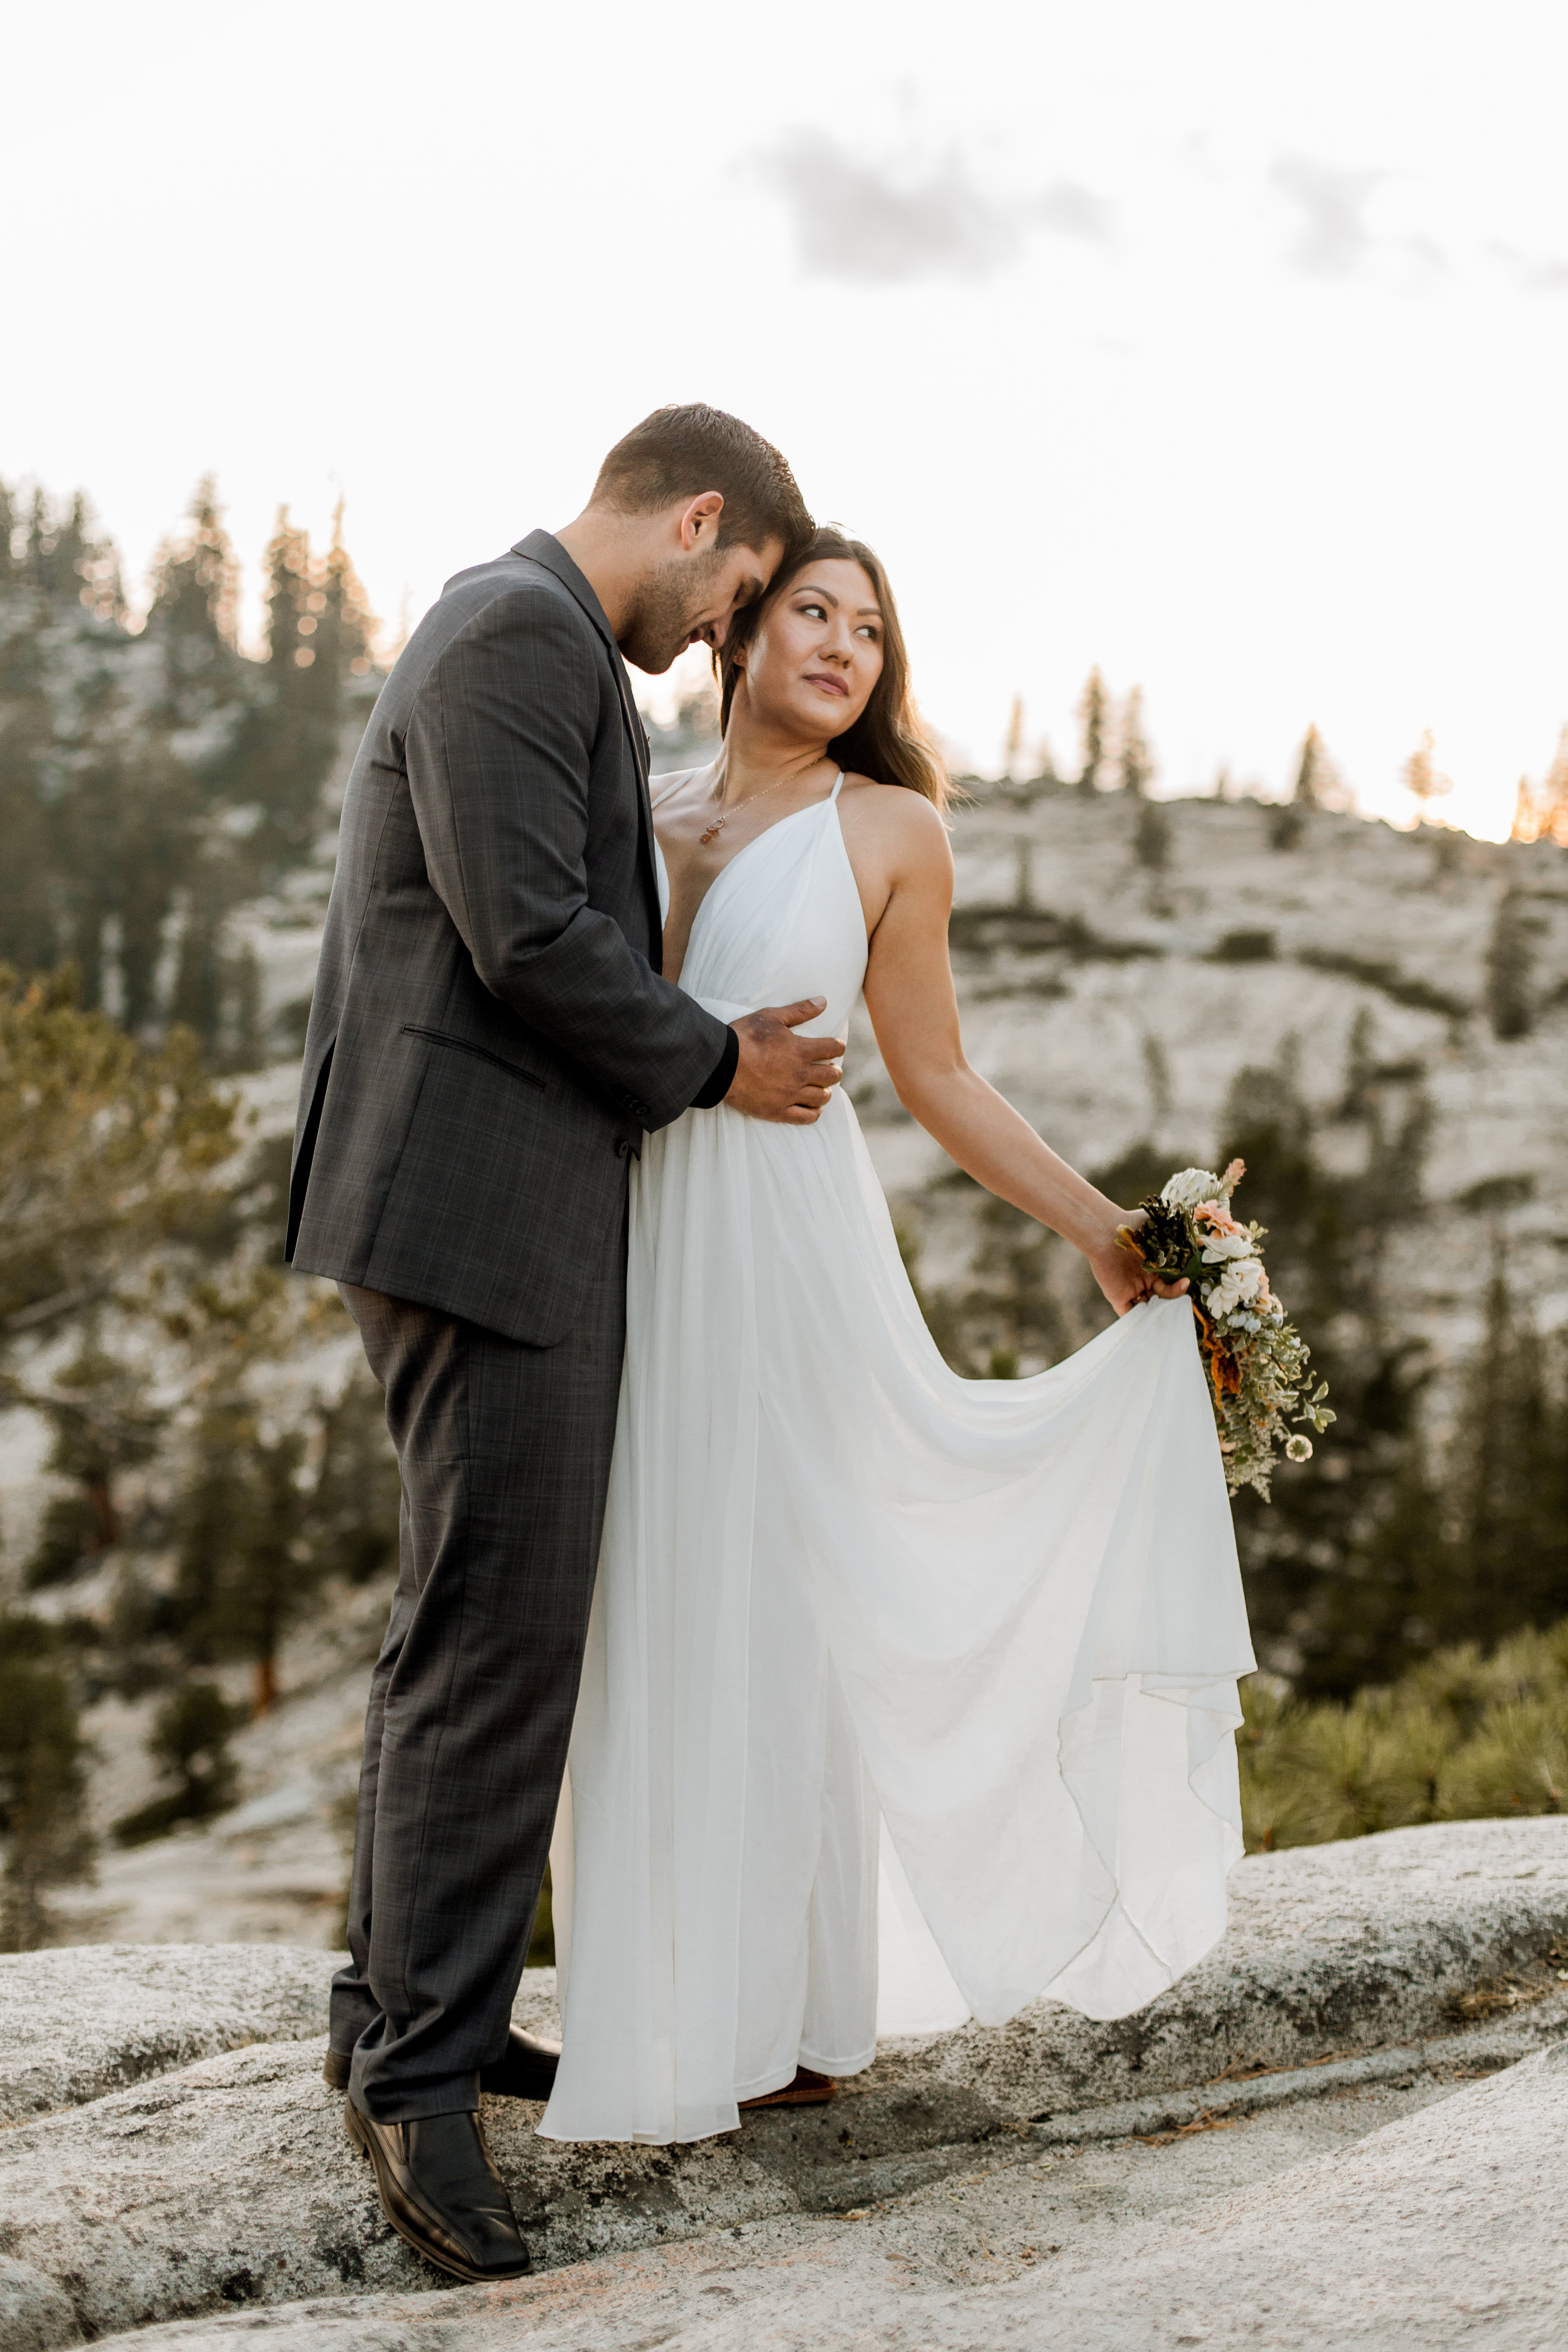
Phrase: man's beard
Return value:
(661, 620)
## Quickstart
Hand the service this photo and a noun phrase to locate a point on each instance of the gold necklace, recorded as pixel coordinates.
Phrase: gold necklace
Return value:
(721, 820)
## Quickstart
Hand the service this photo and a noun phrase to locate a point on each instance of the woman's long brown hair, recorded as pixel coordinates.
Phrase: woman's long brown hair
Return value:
(888, 742)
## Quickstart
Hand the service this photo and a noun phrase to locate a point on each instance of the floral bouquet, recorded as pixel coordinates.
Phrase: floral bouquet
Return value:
(1257, 1360)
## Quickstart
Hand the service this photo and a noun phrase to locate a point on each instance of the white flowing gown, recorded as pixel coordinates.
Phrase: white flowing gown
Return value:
(878, 1657)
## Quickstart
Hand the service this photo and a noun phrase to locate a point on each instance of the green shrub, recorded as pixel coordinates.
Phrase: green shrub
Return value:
(1245, 947)
(189, 1743)
(1464, 1736)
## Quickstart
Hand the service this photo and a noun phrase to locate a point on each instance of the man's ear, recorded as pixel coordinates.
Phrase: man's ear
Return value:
(699, 521)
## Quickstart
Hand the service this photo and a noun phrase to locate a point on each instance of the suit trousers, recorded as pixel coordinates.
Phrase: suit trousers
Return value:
(504, 1451)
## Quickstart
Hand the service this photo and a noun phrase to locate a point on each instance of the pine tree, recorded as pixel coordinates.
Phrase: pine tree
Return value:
(1526, 826)
(1329, 1231)
(66, 728)
(346, 625)
(197, 998)
(1314, 783)
(1312, 772)
(288, 561)
(43, 1780)
(1013, 745)
(196, 578)
(1136, 765)
(1151, 835)
(1510, 969)
(189, 1744)
(317, 635)
(271, 1515)
(105, 1147)
(102, 1428)
(243, 1574)
(1093, 717)
(157, 841)
(1506, 1488)
(356, 1503)
(1552, 822)
(1421, 779)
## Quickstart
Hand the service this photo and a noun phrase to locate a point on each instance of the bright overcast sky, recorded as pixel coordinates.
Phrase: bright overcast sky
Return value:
(1221, 344)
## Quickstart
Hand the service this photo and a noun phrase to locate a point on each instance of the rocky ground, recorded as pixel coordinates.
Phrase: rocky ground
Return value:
(1346, 2127)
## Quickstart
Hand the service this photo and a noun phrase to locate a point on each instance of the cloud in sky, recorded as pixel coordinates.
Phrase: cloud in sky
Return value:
(877, 223)
(1333, 236)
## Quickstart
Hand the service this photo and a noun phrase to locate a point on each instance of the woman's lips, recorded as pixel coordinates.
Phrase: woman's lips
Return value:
(829, 685)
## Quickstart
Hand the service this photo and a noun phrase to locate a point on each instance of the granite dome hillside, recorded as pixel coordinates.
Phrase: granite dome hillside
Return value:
(1115, 1003)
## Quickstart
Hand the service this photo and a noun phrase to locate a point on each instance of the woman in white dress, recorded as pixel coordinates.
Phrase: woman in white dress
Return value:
(882, 1661)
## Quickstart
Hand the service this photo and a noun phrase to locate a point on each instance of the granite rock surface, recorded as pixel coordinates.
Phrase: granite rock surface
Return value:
(228, 2185)
(1438, 2229)
(77, 2023)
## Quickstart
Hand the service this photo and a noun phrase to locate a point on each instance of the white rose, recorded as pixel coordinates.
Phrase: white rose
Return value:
(1185, 1190)
(1223, 1245)
(1246, 1274)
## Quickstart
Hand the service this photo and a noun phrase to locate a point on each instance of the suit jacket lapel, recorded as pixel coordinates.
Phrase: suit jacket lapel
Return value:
(542, 547)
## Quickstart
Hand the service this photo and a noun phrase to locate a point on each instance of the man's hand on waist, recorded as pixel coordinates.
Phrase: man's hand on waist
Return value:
(780, 1075)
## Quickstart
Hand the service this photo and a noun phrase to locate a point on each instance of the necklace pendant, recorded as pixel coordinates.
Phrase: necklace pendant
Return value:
(704, 838)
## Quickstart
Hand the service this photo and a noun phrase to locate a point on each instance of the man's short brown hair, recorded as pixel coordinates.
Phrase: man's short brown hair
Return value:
(679, 453)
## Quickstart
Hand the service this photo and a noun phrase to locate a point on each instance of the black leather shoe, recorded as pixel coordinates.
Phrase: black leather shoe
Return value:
(442, 2194)
(526, 2069)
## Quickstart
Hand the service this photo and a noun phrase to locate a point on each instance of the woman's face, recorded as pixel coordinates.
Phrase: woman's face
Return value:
(818, 653)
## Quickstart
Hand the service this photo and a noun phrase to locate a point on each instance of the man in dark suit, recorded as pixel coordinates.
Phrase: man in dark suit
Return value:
(488, 1039)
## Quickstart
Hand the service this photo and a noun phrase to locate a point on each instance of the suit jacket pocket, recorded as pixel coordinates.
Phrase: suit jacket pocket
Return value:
(468, 1046)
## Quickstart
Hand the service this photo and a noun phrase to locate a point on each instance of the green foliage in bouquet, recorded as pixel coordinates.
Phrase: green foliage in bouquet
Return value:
(1255, 1358)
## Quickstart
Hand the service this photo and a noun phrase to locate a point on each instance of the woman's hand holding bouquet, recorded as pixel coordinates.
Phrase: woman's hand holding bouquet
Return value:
(1255, 1358)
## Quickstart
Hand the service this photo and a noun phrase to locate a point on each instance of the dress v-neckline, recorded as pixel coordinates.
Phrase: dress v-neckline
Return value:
(812, 808)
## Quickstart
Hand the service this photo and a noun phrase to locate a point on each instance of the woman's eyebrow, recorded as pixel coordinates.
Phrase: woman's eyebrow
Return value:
(828, 596)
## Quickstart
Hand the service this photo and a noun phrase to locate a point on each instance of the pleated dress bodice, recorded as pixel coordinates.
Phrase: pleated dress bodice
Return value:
(780, 920)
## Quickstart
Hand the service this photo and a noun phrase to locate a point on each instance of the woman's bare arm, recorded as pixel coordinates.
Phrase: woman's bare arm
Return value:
(900, 852)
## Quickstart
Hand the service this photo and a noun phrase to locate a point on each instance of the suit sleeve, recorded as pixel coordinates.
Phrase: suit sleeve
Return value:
(498, 746)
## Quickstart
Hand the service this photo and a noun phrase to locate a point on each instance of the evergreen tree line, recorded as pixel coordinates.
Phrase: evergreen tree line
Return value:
(153, 777)
(207, 1497)
(1422, 1520)
(1115, 755)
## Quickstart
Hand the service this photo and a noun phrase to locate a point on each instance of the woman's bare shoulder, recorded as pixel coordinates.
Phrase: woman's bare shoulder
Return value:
(902, 820)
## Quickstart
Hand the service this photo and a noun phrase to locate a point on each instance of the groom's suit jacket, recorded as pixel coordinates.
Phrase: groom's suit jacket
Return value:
(489, 1034)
